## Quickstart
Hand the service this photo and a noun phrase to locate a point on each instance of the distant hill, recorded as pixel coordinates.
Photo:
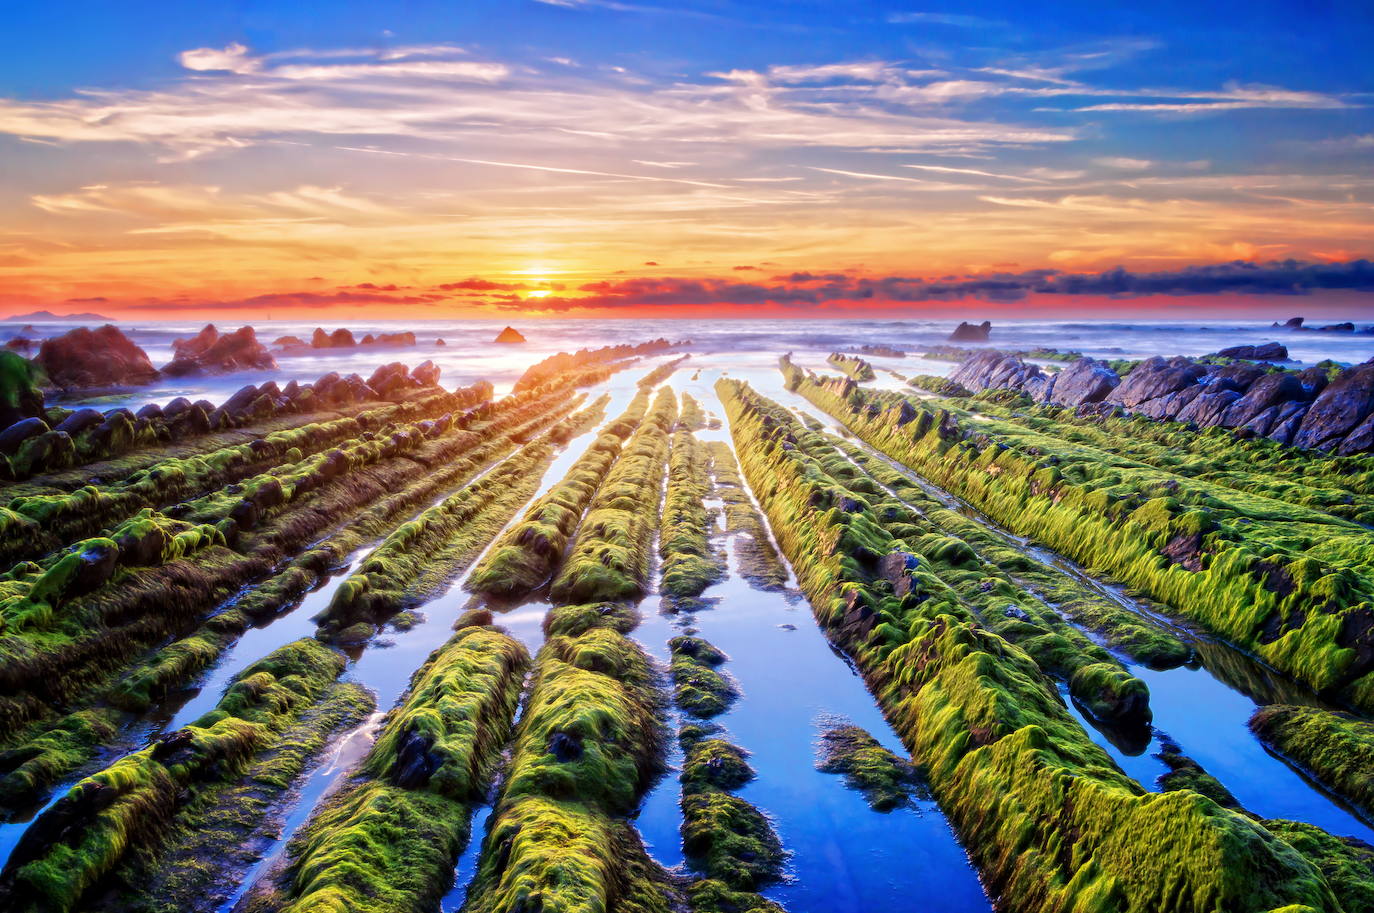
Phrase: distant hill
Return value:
(40, 316)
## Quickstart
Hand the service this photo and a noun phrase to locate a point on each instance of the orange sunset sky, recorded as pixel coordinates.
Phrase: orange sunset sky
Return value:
(580, 158)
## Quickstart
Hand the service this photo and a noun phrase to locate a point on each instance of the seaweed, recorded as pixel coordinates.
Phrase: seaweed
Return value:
(1048, 818)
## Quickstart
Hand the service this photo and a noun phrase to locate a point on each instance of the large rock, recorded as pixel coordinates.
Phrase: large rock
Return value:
(968, 332)
(1292, 323)
(103, 357)
(1269, 351)
(1361, 440)
(1155, 378)
(426, 373)
(14, 436)
(210, 351)
(341, 338)
(20, 397)
(509, 335)
(1264, 394)
(1338, 410)
(991, 369)
(1084, 381)
(1208, 407)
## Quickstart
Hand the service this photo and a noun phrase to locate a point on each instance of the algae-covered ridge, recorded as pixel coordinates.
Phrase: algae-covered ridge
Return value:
(1011, 768)
(610, 558)
(1288, 582)
(75, 626)
(135, 804)
(388, 840)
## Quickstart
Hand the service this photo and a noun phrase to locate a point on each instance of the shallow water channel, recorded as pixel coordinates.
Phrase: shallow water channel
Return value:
(1204, 707)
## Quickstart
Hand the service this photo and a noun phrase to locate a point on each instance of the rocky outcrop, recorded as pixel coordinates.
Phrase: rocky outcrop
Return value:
(1299, 408)
(212, 352)
(1156, 379)
(1292, 323)
(1269, 351)
(103, 357)
(339, 339)
(1084, 381)
(1339, 410)
(1259, 406)
(968, 332)
(509, 335)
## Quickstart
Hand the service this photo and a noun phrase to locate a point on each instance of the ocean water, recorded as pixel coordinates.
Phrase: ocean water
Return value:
(470, 355)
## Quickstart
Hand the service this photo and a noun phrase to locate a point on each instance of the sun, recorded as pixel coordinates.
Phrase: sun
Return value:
(539, 293)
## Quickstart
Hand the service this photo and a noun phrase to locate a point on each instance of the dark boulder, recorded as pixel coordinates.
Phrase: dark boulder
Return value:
(390, 379)
(416, 761)
(1236, 377)
(1292, 323)
(1084, 381)
(565, 746)
(1207, 409)
(1346, 327)
(897, 568)
(1263, 395)
(1361, 440)
(241, 401)
(1154, 378)
(968, 332)
(103, 357)
(1314, 380)
(13, 437)
(81, 420)
(44, 452)
(1269, 351)
(1338, 410)
(341, 339)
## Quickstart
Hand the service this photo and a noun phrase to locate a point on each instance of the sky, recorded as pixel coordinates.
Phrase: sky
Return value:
(607, 158)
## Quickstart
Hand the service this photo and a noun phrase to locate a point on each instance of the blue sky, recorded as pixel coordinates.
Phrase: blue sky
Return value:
(412, 142)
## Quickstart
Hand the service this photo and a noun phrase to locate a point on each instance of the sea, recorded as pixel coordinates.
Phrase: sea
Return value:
(468, 353)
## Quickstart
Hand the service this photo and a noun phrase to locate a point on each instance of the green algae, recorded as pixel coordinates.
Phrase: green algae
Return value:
(690, 565)
(423, 554)
(610, 558)
(388, 843)
(222, 833)
(851, 365)
(1335, 748)
(588, 745)
(1346, 863)
(81, 659)
(886, 781)
(940, 386)
(528, 554)
(699, 688)
(132, 802)
(1046, 815)
(1289, 583)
